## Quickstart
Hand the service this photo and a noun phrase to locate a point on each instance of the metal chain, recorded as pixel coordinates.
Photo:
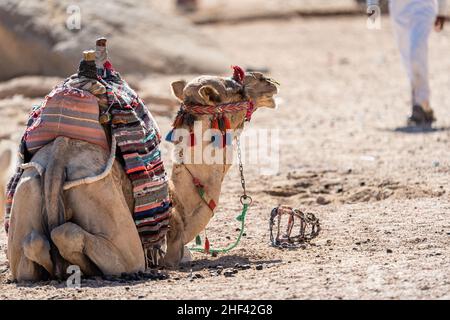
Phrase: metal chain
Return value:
(245, 199)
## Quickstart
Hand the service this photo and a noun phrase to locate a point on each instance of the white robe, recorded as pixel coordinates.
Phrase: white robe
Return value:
(413, 21)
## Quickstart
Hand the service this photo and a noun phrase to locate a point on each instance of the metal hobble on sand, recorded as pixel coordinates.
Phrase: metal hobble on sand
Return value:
(283, 234)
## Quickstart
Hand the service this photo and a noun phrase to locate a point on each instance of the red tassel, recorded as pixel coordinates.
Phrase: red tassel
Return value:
(214, 124)
(227, 123)
(207, 245)
(238, 74)
(191, 142)
(107, 65)
(224, 140)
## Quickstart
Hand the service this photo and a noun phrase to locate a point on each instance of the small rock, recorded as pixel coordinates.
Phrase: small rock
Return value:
(322, 200)
(245, 266)
(228, 273)
(235, 270)
(259, 267)
(198, 276)
(237, 265)
(219, 267)
(127, 288)
(388, 250)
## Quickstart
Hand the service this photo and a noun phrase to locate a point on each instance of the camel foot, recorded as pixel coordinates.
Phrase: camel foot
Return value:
(69, 238)
(37, 249)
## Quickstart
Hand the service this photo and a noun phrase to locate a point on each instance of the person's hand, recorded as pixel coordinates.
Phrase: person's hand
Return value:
(439, 23)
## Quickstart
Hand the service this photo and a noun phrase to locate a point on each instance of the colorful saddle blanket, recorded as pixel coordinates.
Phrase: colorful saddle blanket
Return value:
(67, 112)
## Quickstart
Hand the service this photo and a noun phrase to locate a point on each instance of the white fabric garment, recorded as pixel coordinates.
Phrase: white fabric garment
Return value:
(413, 21)
(442, 5)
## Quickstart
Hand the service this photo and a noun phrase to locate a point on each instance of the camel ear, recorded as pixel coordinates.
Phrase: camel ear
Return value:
(178, 88)
(209, 94)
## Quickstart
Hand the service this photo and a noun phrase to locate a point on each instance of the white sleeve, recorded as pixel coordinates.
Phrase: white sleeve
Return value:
(442, 7)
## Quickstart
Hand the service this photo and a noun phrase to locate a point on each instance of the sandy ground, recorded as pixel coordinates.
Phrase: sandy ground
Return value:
(385, 225)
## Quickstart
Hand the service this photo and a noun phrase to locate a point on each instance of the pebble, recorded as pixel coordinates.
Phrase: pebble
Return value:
(388, 250)
(228, 273)
(259, 267)
(322, 200)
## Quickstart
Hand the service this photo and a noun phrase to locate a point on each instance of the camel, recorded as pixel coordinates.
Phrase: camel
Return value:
(90, 224)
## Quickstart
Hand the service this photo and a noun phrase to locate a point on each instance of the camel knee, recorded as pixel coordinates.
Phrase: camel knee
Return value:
(37, 249)
(68, 238)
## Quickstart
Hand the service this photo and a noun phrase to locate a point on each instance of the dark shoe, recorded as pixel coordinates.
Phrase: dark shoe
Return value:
(421, 117)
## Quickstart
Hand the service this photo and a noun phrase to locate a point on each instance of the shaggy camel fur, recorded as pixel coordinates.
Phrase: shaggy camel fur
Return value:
(90, 225)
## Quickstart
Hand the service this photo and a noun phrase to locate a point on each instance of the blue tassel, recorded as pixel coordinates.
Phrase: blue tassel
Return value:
(217, 142)
(169, 136)
(229, 138)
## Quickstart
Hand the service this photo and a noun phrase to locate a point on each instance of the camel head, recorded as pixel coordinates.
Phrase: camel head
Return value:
(252, 87)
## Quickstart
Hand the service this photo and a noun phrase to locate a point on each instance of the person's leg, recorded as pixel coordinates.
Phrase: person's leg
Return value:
(401, 24)
(423, 15)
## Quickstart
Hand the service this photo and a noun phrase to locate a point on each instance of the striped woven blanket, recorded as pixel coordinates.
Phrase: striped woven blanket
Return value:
(67, 112)
(138, 140)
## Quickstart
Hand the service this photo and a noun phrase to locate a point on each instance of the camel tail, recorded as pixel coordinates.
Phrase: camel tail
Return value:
(54, 178)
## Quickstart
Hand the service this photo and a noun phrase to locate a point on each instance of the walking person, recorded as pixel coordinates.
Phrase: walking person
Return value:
(413, 21)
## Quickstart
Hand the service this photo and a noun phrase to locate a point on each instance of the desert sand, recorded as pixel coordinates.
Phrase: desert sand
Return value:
(379, 189)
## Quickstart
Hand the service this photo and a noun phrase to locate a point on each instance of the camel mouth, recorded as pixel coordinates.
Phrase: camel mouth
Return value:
(267, 102)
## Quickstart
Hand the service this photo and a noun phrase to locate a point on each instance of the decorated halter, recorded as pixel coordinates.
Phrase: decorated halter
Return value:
(188, 114)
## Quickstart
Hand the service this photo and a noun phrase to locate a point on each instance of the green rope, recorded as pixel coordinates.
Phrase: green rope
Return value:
(240, 218)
